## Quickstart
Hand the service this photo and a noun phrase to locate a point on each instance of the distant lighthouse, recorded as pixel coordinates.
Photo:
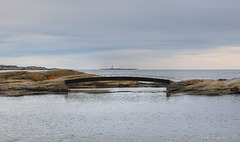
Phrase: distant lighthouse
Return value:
(112, 68)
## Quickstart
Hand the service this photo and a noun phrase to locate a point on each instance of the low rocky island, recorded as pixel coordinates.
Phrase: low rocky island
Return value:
(13, 67)
(32, 83)
(20, 83)
(206, 87)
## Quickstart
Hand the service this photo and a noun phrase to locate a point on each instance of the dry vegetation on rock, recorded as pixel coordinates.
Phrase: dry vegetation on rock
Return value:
(23, 83)
(206, 87)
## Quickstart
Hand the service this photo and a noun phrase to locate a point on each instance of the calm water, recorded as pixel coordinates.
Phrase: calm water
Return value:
(176, 75)
(126, 114)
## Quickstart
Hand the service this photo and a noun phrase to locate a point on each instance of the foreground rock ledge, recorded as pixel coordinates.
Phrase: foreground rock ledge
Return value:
(206, 87)
(34, 83)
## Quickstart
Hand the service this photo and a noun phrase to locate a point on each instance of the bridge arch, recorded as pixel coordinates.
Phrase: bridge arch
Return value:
(119, 78)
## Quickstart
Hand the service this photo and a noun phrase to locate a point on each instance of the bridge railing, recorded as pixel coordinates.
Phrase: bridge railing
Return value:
(136, 75)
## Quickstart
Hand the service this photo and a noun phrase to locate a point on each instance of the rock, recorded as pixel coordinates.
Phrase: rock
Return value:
(12, 67)
(38, 76)
(206, 87)
(51, 81)
(31, 83)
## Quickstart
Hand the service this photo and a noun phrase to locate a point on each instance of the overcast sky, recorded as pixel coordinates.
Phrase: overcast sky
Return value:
(145, 34)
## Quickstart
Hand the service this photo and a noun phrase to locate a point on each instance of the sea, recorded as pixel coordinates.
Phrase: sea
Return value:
(125, 114)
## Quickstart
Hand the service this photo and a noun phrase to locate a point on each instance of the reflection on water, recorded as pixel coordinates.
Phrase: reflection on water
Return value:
(126, 114)
(119, 94)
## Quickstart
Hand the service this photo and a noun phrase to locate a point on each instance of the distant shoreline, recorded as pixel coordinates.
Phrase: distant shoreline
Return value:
(118, 69)
(13, 67)
(112, 68)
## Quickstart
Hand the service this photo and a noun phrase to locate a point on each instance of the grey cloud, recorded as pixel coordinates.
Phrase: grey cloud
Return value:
(58, 27)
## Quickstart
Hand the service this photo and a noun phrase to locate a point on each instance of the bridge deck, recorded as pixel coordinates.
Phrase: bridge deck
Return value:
(118, 78)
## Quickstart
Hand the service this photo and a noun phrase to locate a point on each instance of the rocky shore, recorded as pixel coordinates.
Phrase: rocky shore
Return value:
(20, 83)
(30, 83)
(13, 67)
(206, 87)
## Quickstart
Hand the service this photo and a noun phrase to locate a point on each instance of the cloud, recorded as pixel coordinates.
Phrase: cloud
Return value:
(141, 33)
(120, 58)
(217, 58)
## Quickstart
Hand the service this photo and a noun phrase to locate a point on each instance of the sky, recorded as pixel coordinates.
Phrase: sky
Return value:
(144, 34)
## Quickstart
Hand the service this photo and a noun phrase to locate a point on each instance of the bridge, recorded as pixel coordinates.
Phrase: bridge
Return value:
(120, 78)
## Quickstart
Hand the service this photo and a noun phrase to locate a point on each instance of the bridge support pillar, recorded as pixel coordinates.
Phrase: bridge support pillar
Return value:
(168, 94)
